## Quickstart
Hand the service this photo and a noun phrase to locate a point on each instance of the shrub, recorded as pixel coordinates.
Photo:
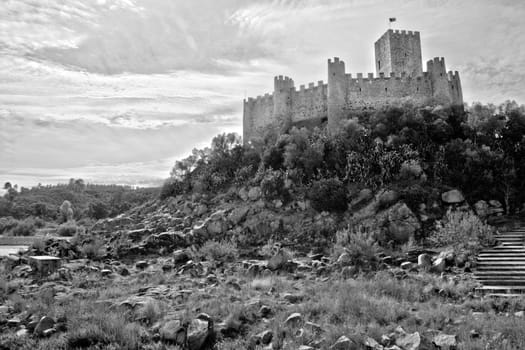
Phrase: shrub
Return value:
(68, 229)
(94, 249)
(25, 227)
(7, 223)
(172, 188)
(361, 246)
(219, 251)
(328, 195)
(98, 210)
(462, 229)
(272, 186)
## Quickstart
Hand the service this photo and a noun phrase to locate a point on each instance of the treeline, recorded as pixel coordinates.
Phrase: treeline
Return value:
(479, 149)
(88, 200)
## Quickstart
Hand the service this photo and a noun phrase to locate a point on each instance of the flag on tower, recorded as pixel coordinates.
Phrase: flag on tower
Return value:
(392, 19)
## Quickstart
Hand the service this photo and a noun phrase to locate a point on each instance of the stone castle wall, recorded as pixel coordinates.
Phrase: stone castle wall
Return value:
(345, 93)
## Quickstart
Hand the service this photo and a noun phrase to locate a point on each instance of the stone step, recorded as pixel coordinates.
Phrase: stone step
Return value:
(502, 255)
(500, 273)
(501, 258)
(503, 289)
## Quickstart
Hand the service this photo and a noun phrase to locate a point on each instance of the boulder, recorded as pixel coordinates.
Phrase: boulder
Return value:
(445, 341)
(402, 223)
(387, 197)
(452, 197)
(362, 197)
(265, 337)
(216, 227)
(141, 264)
(243, 194)
(424, 261)
(407, 341)
(173, 331)
(439, 265)
(238, 214)
(43, 325)
(254, 193)
(200, 333)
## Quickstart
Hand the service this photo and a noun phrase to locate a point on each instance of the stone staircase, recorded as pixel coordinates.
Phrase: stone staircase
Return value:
(501, 269)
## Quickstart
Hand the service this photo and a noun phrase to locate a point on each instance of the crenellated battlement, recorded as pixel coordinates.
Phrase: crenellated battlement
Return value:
(399, 78)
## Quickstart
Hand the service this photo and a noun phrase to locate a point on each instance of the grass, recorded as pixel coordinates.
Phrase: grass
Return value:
(371, 306)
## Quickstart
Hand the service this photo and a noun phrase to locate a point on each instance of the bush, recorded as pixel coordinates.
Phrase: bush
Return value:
(94, 249)
(68, 229)
(272, 186)
(219, 251)
(328, 195)
(98, 210)
(172, 188)
(361, 246)
(7, 223)
(462, 229)
(25, 227)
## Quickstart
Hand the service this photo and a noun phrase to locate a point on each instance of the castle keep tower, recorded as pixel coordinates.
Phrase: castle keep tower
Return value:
(399, 52)
(399, 79)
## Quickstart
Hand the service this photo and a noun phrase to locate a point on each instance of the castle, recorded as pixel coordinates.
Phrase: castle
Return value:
(399, 78)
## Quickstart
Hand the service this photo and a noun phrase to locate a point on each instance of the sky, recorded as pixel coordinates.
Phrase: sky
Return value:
(114, 91)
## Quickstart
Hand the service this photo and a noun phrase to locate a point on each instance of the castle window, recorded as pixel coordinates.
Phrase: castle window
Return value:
(441, 74)
(417, 89)
(378, 64)
(359, 89)
(385, 89)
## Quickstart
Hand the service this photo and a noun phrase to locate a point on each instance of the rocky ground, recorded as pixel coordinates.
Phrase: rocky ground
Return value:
(149, 280)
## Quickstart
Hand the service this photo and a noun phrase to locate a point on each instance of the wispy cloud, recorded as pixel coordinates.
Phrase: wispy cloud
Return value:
(116, 83)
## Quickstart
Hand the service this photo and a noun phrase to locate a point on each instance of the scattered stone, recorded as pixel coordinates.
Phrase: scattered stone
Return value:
(200, 332)
(452, 197)
(407, 341)
(402, 223)
(294, 320)
(344, 343)
(439, 265)
(424, 261)
(254, 193)
(44, 324)
(265, 337)
(105, 272)
(293, 298)
(173, 331)
(406, 265)
(265, 311)
(445, 341)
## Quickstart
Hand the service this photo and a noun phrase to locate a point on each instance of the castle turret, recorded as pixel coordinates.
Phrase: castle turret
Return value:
(399, 52)
(441, 90)
(336, 93)
(282, 101)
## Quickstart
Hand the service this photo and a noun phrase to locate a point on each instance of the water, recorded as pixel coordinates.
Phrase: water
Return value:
(11, 249)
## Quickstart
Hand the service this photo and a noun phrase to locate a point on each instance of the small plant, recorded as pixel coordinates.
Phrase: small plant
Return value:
(219, 251)
(7, 223)
(68, 229)
(360, 245)
(272, 186)
(94, 249)
(462, 229)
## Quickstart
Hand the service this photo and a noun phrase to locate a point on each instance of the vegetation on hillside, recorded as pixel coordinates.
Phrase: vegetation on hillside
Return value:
(479, 149)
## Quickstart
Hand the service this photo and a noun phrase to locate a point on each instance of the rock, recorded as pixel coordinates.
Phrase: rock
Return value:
(173, 331)
(439, 265)
(238, 214)
(406, 265)
(372, 344)
(344, 259)
(452, 197)
(4, 310)
(216, 227)
(243, 194)
(293, 298)
(402, 223)
(180, 256)
(519, 314)
(407, 341)
(362, 197)
(294, 320)
(445, 341)
(387, 198)
(265, 311)
(105, 272)
(495, 203)
(424, 261)
(265, 337)
(44, 324)
(254, 193)
(141, 264)
(344, 343)
(279, 260)
(200, 333)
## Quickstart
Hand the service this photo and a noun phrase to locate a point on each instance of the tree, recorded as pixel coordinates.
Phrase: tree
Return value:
(66, 211)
